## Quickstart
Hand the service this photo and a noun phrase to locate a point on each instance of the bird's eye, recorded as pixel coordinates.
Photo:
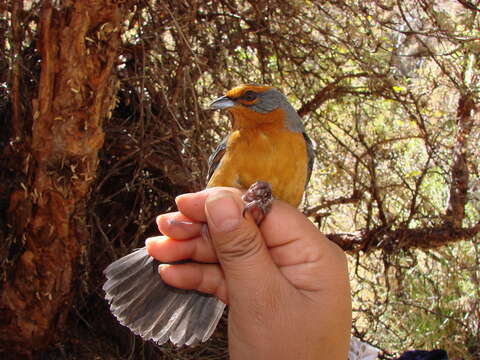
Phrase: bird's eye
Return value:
(249, 96)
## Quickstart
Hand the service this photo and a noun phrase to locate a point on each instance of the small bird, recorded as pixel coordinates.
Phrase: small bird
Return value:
(267, 152)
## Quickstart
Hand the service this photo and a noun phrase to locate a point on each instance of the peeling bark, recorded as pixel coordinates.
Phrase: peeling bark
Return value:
(79, 45)
(17, 121)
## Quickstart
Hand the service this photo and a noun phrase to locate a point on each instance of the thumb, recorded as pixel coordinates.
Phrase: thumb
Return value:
(239, 245)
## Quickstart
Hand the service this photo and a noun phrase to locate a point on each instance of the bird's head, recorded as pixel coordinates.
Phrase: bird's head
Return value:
(251, 105)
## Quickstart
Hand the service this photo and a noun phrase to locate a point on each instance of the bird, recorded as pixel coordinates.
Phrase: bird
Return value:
(267, 152)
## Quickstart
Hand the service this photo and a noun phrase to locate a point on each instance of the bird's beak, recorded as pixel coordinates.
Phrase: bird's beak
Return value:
(222, 103)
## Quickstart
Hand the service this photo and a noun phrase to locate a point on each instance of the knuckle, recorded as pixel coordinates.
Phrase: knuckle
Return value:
(239, 244)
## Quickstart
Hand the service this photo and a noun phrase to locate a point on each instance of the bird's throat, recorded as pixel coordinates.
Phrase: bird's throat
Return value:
(245, 118)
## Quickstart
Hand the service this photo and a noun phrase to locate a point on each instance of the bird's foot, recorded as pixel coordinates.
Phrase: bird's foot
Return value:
(258, 199)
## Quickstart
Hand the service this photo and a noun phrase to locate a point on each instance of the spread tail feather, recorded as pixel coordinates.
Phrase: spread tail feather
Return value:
(148, 307)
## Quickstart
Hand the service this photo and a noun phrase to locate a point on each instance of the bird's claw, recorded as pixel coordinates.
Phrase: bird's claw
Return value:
(258, 199)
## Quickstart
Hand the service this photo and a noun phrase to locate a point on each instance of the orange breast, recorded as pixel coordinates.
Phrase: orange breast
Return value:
(268, 153)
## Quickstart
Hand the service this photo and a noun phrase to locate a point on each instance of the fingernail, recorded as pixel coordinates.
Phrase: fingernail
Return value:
(162, 268)
(149, 242)
(223, 211)
(183, 196)
(178, 222)
(148, 245)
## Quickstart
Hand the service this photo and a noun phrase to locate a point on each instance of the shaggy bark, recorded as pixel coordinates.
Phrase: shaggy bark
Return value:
(79, 45)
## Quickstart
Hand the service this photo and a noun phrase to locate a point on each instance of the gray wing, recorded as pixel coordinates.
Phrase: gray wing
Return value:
(141, 301)
(311, 156)
(216, 157)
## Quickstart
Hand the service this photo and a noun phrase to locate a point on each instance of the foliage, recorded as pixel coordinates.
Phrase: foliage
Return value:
(420, 300)
(389, 93)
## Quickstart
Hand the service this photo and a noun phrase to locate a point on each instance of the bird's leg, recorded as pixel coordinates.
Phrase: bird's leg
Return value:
(258, 200)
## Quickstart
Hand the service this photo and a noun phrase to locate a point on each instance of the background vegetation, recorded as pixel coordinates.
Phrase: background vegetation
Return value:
(104, 118)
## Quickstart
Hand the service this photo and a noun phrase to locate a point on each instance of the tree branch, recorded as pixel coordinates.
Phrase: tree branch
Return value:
(394, 240)
(355, 197)
(468, 110)
(330, 91)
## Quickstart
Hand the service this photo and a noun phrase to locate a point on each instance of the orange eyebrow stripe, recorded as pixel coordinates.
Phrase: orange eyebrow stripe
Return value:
(238, 91)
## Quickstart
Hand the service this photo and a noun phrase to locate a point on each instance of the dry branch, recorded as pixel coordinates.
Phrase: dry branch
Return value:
(395, 240)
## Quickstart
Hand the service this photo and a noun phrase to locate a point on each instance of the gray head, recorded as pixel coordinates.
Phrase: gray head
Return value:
(261, 100)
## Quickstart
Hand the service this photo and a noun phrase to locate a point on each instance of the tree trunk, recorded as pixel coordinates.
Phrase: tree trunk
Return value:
(79, 44)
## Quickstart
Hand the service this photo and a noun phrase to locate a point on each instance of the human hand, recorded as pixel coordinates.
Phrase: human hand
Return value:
(285, 283)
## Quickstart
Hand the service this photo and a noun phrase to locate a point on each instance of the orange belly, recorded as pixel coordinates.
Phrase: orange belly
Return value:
(277, 156)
